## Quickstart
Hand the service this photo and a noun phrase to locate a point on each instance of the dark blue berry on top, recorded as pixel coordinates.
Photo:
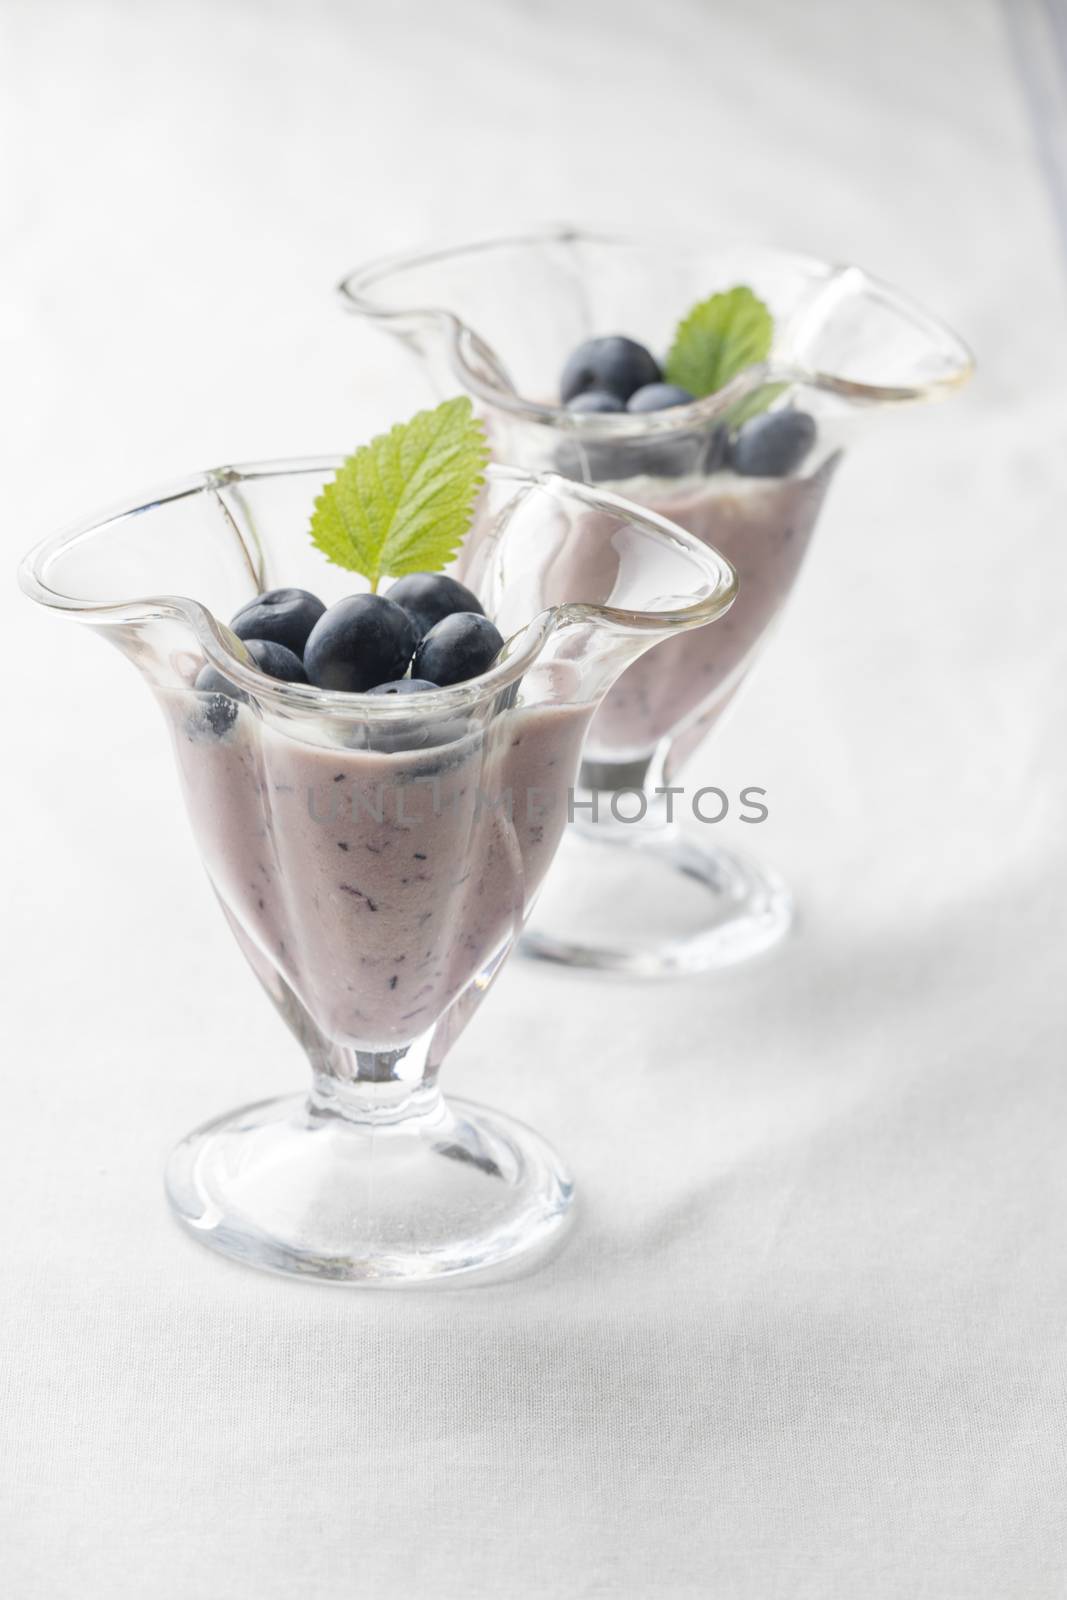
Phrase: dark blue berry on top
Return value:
(283, 616)
(615, 364)
(659, 397)
(461, 646)
(593, 401)
(772, 445)
(276, 661)
(429, 596)
(361, 641)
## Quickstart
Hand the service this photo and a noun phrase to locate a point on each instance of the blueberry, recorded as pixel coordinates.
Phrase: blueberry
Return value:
(359, 642)
(594, 400)
(429, 596)
(281, 616)
(219, 713)
(658, 397)
(457, 648)
(403, 686)
(615, 363)
(209, 680)
(220, 708)
(276, 661)
(773, 445)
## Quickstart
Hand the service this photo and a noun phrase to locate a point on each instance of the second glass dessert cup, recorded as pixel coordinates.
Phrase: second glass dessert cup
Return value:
(375, 856)
(497, 319)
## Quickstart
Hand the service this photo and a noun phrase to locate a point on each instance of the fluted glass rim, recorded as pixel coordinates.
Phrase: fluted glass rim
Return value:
(522, 649)
(354, 291)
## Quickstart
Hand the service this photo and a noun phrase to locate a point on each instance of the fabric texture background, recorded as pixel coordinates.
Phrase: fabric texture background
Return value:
(808, 1338)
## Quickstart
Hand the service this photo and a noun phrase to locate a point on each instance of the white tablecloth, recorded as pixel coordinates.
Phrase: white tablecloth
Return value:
(808, 1340)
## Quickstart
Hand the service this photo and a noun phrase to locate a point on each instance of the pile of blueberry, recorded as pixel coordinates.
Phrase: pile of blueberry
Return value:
(364, 644)
(615, 374)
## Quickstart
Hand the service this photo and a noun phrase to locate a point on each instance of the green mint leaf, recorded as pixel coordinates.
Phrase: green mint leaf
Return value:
(754, 403)
(718, 339)
(403, 502)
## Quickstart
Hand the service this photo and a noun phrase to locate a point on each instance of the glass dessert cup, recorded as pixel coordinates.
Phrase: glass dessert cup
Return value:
(498, 319)
(376, 856)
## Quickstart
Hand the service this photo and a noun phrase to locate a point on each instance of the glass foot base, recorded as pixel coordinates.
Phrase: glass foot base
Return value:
(447, 1192)
(653, 905)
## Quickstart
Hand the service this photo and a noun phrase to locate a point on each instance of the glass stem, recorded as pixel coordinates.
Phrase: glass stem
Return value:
(610, 807)
(610, 776)
(378, 1086)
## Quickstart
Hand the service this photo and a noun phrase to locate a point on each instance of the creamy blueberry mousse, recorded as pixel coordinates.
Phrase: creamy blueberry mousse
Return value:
(742, 489)
(377, 849)
(378, 876)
